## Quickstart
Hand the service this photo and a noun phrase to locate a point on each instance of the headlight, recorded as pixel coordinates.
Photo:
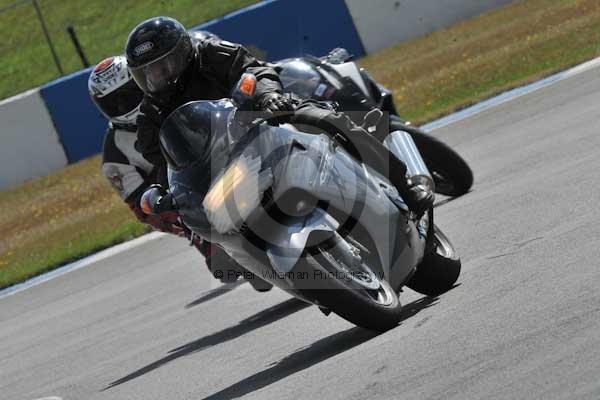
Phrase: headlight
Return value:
(232, 197)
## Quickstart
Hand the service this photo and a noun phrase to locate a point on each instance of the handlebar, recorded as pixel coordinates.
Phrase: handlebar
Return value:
(250, 118)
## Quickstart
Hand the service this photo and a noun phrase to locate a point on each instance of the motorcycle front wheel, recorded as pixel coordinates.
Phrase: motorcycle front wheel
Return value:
(440, 268)
(337, 279)
(451, 173)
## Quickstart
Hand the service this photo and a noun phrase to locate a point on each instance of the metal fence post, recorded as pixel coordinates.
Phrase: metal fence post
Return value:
(43, 24)
(78, 48)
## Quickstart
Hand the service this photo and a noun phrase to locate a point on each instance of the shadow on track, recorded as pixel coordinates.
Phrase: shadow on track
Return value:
(214, 293)
(258, 320)
(306, 357)
(445, 200)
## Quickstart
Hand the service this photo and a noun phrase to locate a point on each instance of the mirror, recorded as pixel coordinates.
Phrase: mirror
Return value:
(371, 120)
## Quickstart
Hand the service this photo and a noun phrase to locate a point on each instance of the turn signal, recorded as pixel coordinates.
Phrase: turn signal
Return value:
(248, 85)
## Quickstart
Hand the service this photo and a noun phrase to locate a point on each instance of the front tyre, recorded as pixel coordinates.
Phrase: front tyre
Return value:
(440, 268)
(342, 282)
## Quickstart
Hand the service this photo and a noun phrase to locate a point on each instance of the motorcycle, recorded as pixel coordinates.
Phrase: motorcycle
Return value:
(299, 211)
(337, 79)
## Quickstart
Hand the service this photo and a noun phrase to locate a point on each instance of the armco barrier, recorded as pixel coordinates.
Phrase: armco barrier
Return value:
(287, 28)
(383, 23)
(277, 28)
(30, 145)
(79, 124)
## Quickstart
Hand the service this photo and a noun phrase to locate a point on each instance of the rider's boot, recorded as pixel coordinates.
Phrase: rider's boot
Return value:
(258, 284)
(418, 197)
(227, 270)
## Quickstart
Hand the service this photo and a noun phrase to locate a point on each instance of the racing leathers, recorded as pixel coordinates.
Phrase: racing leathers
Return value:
(130, 174)
(217, 67)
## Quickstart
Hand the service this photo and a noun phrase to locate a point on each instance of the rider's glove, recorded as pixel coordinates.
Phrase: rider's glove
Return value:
(276, 102)
(278, 106)
(165, 222)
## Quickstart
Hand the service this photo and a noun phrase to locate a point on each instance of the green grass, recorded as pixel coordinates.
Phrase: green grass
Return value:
(53, 220)
(47, 222)
(473, 60)
(102, 28)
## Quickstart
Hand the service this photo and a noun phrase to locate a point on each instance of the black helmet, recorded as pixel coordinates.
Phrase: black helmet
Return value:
(158, 51)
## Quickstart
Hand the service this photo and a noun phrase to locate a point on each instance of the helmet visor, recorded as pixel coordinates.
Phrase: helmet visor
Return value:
(158, 75)
(121, 101)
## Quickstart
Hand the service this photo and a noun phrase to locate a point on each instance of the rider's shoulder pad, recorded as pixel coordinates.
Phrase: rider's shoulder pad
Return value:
(220, 47)
(227, 45)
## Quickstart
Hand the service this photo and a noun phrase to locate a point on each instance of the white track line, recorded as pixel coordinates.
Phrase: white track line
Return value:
(450, 119)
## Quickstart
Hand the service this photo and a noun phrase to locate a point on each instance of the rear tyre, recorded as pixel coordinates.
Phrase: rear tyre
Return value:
(340, 281)
(451, 173)
(439, 270)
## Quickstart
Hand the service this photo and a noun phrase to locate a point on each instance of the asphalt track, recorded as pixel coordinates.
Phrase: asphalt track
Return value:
(523, 323)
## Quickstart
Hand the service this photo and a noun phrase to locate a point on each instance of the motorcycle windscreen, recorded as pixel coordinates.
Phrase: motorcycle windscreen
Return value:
(193, 140)
(196, 134)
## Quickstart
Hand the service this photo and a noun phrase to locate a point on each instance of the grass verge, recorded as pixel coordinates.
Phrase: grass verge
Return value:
(53, 220)
(50, 221)
(473, 60)
(101, 25)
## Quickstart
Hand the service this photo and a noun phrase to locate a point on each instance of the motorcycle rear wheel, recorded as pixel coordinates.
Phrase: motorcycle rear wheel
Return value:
(358, 295)
(451, 173)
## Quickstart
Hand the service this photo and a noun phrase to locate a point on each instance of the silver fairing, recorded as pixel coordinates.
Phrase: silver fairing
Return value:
(313, 164)
(348, 196)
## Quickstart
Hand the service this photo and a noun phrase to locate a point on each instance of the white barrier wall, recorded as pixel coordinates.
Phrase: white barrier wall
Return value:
(29, 144)
(383, 23)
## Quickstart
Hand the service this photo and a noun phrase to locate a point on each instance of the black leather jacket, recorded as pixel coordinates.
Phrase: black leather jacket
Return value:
(217, 68)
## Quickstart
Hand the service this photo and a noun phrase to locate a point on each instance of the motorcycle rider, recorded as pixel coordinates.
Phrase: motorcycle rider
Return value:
(118, 98)
(173, 69)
